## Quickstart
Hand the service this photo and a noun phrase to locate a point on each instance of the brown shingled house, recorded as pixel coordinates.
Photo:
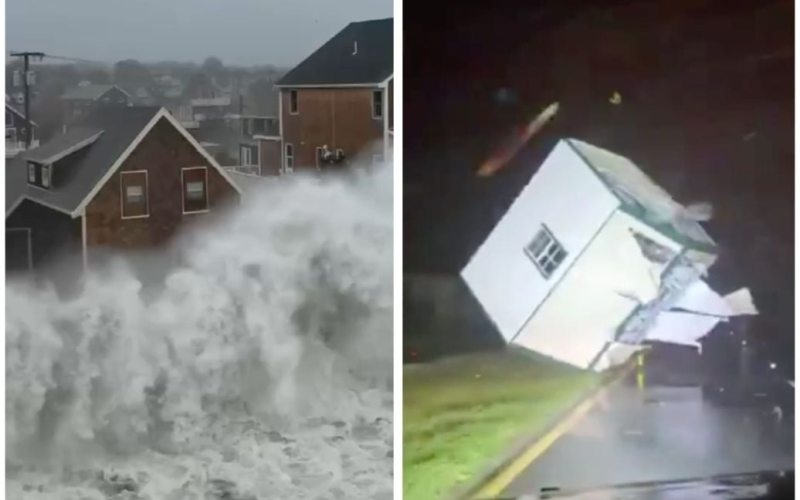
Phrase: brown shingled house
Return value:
(336, 105)
(123, 178)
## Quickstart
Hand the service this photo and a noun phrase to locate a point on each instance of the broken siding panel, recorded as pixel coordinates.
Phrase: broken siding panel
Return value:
(639, 227)
(567, 197)
(602, 289)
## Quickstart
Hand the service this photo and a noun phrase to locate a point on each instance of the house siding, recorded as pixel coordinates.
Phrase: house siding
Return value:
(584, 310)
(501, 275)
(53, 235)
(163, 153)
(269, 156)
(340, 118)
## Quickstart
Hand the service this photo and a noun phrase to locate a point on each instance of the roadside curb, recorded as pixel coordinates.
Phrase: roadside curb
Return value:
(497, 466)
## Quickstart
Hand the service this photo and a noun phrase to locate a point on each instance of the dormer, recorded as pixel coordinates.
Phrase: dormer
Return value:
(49, 164)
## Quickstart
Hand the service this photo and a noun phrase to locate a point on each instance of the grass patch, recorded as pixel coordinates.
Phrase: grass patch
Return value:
(460, 413)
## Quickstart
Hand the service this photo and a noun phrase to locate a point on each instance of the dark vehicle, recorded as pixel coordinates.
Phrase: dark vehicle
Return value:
(734, 374)
(772, 485)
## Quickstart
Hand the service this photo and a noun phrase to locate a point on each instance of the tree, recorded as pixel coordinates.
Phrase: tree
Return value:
(213, 65)
(131, 72)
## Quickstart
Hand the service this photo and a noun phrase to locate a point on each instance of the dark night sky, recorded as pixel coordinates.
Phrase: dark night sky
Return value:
(707, 110)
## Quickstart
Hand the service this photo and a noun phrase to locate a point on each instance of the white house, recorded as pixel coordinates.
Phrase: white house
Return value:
(591, 259)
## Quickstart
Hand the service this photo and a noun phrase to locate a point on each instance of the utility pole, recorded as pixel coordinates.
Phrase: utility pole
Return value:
(26, 58)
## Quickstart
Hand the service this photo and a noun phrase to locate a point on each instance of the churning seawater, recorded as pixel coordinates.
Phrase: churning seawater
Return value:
(258, 368)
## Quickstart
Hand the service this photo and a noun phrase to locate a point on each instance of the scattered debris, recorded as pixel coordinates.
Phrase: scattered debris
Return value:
(504, 154)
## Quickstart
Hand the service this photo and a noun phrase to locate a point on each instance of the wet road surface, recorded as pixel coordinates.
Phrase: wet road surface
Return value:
(659, 433)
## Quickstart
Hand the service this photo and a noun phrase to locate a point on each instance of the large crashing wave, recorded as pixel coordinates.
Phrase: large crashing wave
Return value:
(261, 365)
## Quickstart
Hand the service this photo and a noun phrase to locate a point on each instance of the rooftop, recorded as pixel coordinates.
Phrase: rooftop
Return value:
(641, 196)
(362, 53)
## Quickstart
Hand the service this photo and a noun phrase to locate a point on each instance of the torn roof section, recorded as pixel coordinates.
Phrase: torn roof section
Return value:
(642, 198)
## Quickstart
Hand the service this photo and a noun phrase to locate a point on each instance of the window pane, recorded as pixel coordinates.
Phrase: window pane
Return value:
(539, 243)
(194, 190)
(560, 256)
(46, 176)
(134, 194)
(31, 172)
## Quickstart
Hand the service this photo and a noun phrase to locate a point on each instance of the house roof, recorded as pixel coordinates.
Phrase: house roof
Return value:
(362, 53)
(641, 197)
(18, 112)
(63, 145)
(122, 128)
(87, 92)
(249, 184)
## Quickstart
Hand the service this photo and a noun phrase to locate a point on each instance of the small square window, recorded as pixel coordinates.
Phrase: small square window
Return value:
(546, 252)
(294, 102)
(377, 104)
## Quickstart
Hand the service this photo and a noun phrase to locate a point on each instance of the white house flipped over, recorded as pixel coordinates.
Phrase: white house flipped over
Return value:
(593, 258)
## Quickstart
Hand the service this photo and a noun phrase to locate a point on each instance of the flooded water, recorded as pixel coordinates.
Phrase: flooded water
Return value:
(260, 368)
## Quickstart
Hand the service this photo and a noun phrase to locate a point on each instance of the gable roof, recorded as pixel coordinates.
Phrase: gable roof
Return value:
(89, 92)
(123, 128)
(360, 54)
(641, 197)
(13, 109)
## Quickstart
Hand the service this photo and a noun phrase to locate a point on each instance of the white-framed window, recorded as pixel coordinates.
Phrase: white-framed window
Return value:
(546, 252)
(318, 156)
(294, 102)
(31, 172)
(46, 170)
(377, 104)
(247, 157)
(134, 202)
(288, 158)
(195, 189)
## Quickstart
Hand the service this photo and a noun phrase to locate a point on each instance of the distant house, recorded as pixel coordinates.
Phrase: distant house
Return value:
(78, 101)
(235, 140)
(122, 178)
(339, 100)
(16, 130)
(592, 259)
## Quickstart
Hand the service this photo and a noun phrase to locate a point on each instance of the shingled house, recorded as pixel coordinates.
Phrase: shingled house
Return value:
(16, 129)
(79, 101)
(122, 178)
(337, 103)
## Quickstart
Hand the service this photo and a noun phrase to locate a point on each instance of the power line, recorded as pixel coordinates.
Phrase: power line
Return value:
(65, 58)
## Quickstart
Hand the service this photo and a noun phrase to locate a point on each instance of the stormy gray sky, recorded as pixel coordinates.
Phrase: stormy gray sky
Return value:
(279, 32)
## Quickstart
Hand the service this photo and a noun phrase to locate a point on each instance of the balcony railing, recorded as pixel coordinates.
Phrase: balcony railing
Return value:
(245, 169)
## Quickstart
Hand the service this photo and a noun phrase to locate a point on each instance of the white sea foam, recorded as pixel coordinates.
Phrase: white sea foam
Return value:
(260, 367)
